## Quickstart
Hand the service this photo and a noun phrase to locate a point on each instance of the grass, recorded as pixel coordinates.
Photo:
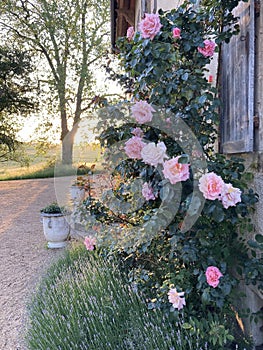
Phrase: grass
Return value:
(46, 164)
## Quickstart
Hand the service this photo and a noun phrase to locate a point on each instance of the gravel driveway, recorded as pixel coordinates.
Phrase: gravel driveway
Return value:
(24, 256)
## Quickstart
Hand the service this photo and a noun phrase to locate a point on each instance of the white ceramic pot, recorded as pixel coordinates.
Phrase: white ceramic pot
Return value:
(77, 193)
(56, 229)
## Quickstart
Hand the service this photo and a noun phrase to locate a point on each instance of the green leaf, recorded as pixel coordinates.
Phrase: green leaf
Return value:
(218, 214)
(185, 76)
(259, 238)
(202, 99)
(226, 288)
(186, 325)
(183, 159)
(206, 296)
(252, 244)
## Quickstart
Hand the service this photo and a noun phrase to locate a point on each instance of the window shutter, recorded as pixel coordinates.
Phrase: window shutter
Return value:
(237, 84)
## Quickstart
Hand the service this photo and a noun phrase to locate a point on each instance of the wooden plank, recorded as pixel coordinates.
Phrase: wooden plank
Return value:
(237, 85)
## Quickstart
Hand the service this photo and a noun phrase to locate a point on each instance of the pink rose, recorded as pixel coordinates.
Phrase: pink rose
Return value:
(130, 33)
(90, 242)
(150, 26)
(211, 185)
(209, 48)
(133, 147)
(230, 196)
(147, 192)
(137, 132)
(142, 112)
(176, 33)
(176, 298)
(212, 276)
(154, 154)
(175, 171)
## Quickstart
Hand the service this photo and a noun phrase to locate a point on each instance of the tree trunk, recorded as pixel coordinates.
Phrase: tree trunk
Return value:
(67, 146)
(67, 151)
(67, 137)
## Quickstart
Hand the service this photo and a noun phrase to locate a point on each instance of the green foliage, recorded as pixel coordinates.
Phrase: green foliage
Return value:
(15, 86)
(84, 302)
(15, 66)
(54, 208)
(185, 89)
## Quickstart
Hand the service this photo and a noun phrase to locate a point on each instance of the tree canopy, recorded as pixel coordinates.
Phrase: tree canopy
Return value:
(15, 99)
(71, 36)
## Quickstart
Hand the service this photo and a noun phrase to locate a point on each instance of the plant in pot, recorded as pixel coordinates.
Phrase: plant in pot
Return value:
(78, 188)
(56, 225)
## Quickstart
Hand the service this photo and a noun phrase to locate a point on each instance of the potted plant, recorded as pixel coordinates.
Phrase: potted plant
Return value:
(56, 225)
(78, 188)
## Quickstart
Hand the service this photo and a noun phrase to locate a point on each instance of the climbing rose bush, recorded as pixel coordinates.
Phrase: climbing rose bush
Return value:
(177, 33)
(133, 147)
(130, 33)
(177, 299)
(137, 132)
(150, 26)
(165, 66)
(213, 275)
(230, 196)
(154, 154)
(175, 171)
(211, 185)
(142, 112)
(90, 242)
(208, 49)
(147, 192)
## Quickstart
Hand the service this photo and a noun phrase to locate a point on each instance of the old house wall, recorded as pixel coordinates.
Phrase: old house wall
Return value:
(256, 300)
(254, 159)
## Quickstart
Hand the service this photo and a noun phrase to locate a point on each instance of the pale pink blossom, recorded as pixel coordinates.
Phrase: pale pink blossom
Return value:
(142, 112)
(150, 26)
(90, 242)
(209, 48)
(175, 171)
(230, 196)
(176, 33)
(147, 192)
(177, 299)
(137, 132)
(213, 275)
(154, 154)
(133, 147)
(211, 185)
(130, 33)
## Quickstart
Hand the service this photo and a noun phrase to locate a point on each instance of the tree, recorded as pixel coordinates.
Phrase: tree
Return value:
(15, 87)
(71, 35)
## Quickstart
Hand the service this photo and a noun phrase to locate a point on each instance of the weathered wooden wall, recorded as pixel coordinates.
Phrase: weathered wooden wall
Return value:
(237, 85)
(259, 80)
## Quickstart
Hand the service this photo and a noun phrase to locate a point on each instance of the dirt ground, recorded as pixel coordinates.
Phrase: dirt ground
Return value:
(23, 255)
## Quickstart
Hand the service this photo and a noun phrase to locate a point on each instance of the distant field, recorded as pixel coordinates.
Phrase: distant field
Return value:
(42, 165)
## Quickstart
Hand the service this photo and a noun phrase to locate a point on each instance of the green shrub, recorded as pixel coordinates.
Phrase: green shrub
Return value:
(84, 303)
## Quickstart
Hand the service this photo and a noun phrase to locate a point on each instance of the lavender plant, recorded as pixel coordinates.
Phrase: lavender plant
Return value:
(84, 303)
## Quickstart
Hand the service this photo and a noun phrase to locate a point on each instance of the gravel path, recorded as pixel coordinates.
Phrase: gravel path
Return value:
(24, 256)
